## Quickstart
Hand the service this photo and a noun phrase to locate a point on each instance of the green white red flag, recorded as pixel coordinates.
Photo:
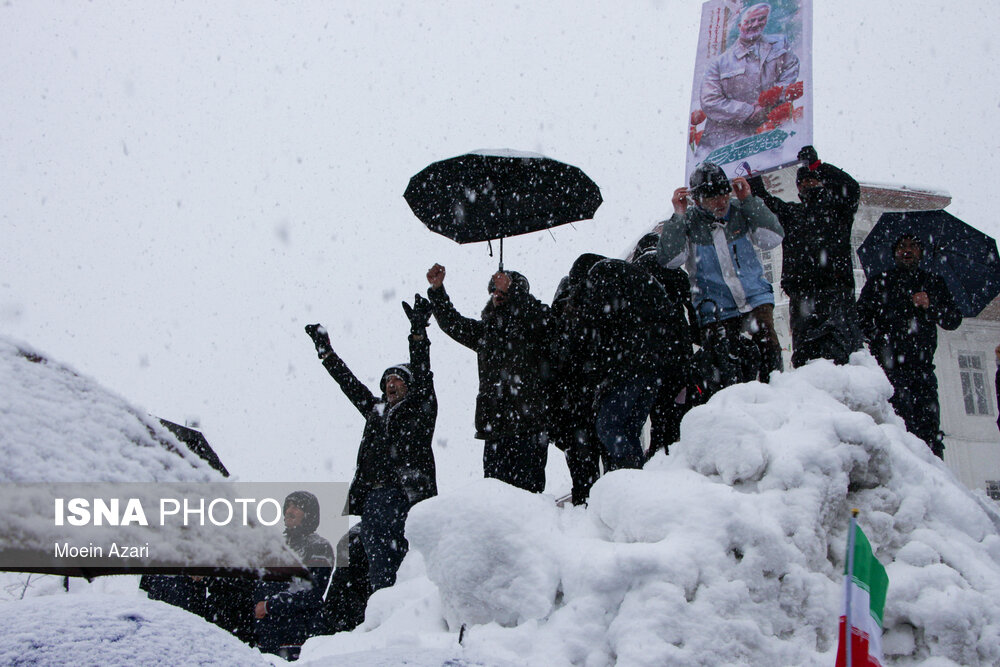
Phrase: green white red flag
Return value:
(865, 586)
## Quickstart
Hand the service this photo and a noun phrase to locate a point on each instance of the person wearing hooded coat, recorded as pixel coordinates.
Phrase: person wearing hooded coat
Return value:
(816, 268)
(512, 341)
(572, 415)
(395, 466)
(288, 613)
(672, 397)
(634, 336)
(899, 311)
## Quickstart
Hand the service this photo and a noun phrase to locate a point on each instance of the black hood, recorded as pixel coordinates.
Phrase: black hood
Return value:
(309, 504)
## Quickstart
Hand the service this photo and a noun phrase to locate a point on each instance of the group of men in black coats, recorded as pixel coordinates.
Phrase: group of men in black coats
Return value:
(615, 347)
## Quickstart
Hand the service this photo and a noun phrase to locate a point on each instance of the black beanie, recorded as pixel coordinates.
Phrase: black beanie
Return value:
(401, 370)
(803, 173)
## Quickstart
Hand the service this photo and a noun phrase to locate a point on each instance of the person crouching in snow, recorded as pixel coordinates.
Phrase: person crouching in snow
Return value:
(395, 467)
(289, 613)
(716, 239)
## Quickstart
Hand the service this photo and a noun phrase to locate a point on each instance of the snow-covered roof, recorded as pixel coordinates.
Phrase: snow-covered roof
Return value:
(60, 427)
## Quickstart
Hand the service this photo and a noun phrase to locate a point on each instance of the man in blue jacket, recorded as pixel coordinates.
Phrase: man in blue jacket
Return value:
(715, 240)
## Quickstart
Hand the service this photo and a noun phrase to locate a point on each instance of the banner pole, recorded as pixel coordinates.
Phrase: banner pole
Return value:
(848, 621)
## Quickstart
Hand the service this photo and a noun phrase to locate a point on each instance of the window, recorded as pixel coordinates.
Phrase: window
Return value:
(768, 263)
(993, 489)
(971, 368)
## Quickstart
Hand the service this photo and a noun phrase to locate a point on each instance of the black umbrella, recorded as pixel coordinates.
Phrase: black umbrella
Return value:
(965, 257)
(488, 195)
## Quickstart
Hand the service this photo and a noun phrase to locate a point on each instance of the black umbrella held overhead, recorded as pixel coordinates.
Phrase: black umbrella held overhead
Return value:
(965, 257)
(488, 195)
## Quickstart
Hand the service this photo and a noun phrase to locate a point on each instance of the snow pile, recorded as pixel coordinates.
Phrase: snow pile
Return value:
(728, 551)
(102, 630)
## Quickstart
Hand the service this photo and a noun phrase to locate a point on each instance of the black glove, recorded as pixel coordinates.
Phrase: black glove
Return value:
(320, 338)
(808, 155)
(419, 314)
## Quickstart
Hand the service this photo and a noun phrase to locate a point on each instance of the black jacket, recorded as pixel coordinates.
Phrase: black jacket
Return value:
(294, 610)
(512, 344)
(629, 325)
(395, 448)
(899, 332)
(816, 250)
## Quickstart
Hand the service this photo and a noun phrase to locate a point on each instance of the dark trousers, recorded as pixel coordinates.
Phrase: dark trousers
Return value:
(621, 413)
(824, 325)
(915, 399)
(759, 322)
(583, 458)
(666, 414)
(383, 521)
(518, 460)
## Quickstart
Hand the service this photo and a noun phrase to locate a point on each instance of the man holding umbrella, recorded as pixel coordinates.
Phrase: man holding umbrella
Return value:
(512, 341)
(899, 311)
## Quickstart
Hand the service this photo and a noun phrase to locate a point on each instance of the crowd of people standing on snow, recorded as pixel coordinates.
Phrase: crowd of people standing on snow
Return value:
(688, 313)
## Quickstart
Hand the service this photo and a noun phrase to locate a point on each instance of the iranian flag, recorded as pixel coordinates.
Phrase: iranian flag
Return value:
(865, 584)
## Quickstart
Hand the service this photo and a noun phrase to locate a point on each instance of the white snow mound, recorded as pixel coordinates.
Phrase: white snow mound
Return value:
(728, 551)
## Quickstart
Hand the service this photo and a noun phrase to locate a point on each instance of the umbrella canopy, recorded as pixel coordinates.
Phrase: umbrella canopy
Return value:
(488, 195)
(965, 257)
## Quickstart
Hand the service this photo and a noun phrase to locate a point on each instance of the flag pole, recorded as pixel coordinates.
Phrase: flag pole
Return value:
(847, 590)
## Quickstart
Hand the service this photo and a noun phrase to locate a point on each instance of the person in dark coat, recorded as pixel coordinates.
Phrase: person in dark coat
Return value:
(289, 613)
(347, 596)
(899, 312)
(816, 268)
(220, 600)
(572, 415)
(512, 341)
(181, 590)
(672, 401)
(633, 331)
(395, 467)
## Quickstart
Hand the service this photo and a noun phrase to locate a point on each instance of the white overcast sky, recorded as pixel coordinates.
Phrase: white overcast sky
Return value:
(185, 185)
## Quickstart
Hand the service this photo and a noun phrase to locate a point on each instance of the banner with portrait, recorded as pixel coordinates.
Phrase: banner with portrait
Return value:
(751, 105)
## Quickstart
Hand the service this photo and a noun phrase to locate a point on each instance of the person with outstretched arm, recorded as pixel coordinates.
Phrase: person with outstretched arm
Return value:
(395, 467)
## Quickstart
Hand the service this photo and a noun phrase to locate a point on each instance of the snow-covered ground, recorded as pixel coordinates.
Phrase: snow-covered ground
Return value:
(727, 551)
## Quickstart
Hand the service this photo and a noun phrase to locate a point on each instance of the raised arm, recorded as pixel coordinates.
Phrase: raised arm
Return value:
(464, 330)
(778, 206)
(420, 346)
(765, 230)
(357, 393)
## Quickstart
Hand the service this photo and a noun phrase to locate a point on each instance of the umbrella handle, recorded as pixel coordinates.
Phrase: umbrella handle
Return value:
(489, 245)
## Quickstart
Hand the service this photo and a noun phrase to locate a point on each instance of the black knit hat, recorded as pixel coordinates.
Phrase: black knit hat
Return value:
(402, 371)
(803, 173)
(709, 180)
